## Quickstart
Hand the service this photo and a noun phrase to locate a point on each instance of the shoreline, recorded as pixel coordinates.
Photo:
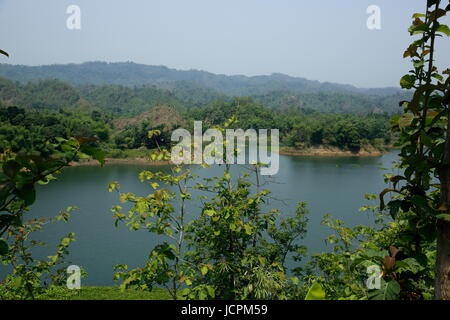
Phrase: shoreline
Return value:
(310, 152)
(331, 152)
(114, 161)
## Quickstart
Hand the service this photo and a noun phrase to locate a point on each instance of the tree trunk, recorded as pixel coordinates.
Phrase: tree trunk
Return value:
(442, 284)
(442, 287)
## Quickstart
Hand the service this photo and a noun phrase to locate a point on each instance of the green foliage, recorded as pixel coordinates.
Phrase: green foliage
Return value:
(239, 246)
(316, 292)
(389, 290)
(21, 172)
(36, 113)
(23, 165)
(155, 213)
(301, 128)
(417, 203)
(136, 136)
(35, 132)
(334, 101)
(30, 277)
(421, 130)
(404, 250)
(231, 250)
(131, 101)
(344, 271)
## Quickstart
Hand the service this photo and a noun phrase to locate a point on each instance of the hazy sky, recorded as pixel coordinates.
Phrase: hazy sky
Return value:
(324, 40)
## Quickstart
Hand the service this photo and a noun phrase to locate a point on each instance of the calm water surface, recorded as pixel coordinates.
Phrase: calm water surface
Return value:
(329, 185)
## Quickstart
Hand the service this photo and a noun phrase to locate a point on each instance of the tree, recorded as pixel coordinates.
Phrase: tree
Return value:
(232, 249)
(425, 147)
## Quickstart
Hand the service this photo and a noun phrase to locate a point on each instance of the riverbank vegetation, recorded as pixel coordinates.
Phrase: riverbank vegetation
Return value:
(34, 130)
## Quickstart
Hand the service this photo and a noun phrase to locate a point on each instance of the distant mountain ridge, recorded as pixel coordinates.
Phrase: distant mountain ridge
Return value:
(133, 74)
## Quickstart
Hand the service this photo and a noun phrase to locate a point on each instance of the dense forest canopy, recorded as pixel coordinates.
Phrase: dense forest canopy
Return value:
(120, 116)
(54, 108)
(115, 99)
(31, 130)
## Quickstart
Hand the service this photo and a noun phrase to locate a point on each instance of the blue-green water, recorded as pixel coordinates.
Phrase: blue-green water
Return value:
(329, 185)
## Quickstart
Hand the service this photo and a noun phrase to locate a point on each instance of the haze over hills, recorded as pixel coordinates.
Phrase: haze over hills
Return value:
(130, 88)
(131, 74)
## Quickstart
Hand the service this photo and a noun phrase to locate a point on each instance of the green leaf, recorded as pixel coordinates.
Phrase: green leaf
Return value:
(28, 194)
(154, 185)
(202, 295)
(388, 291)
(438, 76)
(374, 253)
(113, 186)
(418, 29)
(394, 208)
(66, 241)
(444, 29)
(3, 248)
(316, 292)
(211, 291)
(419, 64)
(248, 229)
(204, 270)
(11, 168)
(262, 260)
(407, 81)
(95, 153)
(153, 133)
(69, 145)
(420, 201)
(408, 264)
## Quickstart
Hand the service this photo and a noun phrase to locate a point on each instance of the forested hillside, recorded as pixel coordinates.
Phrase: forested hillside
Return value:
(33, 130)
(120, 116)
(130, 74)
(132, 100)
(115, 99)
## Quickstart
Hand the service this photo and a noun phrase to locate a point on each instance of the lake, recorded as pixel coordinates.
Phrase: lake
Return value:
(329, 185)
